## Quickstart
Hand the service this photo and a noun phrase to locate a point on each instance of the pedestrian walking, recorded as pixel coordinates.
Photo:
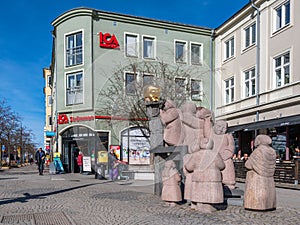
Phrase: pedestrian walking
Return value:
(40, 160)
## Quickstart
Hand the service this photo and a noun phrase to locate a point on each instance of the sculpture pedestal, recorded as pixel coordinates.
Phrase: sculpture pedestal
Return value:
(161, 154)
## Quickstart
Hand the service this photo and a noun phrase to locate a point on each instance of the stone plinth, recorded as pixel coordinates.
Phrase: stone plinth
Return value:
(161, 155)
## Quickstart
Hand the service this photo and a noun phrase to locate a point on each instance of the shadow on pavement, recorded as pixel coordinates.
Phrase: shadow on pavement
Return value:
(28, 196)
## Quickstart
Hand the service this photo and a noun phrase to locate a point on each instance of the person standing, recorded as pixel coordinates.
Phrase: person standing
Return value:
(80, 161)
(40, 160)
(113, 160)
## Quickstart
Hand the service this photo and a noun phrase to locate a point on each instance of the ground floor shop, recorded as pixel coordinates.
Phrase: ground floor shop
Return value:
(133, 146)
(285, 134)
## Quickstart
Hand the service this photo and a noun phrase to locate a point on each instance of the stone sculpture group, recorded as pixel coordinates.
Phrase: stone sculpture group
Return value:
(208, 166)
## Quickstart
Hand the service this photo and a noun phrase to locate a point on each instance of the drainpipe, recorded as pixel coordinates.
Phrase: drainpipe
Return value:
(211, 69)
(257, 69)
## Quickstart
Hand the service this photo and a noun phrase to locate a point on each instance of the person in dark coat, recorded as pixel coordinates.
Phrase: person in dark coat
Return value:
(40, 160)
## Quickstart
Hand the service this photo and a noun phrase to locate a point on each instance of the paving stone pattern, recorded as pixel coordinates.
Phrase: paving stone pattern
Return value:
(27, 198)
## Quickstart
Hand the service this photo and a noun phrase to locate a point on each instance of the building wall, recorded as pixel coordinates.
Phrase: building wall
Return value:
(100, 63)
(273, 102)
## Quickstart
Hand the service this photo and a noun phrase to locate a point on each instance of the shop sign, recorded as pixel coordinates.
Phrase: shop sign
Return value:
(108, 41)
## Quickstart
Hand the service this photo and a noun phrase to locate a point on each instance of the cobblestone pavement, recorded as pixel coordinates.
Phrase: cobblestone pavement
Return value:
(27, 198)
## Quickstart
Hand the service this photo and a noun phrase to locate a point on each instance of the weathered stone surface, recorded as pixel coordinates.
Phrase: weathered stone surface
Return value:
(170, 118)
(224, 144)
(260, 193)
(206, 165)
(171, 179)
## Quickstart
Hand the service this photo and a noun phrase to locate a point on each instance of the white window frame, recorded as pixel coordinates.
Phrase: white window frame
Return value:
(49, 100)
(200, 56)
(249, 82)
(134, 84)
(147, 75)
(183, 87)
(281, 70)
(229, 48)
(76, 90)
(182, 59)
(229, 90)
(131, 51)
(73, 51)
(250, 35)
(281, 21)
(153, 47)
(198, 94)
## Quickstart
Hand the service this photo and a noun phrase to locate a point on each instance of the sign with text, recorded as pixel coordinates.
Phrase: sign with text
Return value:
(108, 41)
(86, 163)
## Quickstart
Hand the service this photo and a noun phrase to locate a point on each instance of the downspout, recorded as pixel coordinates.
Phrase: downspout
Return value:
(212, 69)
(257, 70)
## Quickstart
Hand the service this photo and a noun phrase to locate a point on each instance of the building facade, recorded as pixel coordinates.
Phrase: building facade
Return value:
(257, 74)
(48, 132)
(90, 47)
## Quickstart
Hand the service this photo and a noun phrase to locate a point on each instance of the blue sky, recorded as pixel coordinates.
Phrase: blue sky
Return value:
(26, 41)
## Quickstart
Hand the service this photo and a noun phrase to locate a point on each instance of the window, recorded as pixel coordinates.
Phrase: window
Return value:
(180, 87)
(180, 51)
(148, 47)
(282, 69)
(148, 80)
(74, 49)
(130, 83)
(131, 46)
(196, 90)
(74, 88)
(229, 90)
(249, 77)
(250, 35)
(196, 53)
(282, 16)
(229, 48)
(49, 81)
(49, 120)
(49, 100)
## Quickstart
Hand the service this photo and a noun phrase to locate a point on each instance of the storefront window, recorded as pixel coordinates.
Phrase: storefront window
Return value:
(136, 146)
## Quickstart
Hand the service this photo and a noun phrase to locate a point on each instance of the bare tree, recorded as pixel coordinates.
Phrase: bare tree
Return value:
(122, 96)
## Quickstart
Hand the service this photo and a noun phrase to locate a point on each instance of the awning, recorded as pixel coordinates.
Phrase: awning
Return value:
(286, 121)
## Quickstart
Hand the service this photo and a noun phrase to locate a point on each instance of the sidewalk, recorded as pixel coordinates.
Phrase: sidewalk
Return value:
(27, 198)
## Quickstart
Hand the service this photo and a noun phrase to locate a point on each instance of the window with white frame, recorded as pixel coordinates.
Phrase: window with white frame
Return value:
(49, 100)
(74, 49)
(229, 90)
(196, 53)
(229, 48)
(180, 51)
(74, 89)
(282, 16)
(249, 78)
(250, 35)
(130, 83)
(282, 69)
(148, 79)
(180, 87)
(131, 45)
(148, 47)
(196, 90)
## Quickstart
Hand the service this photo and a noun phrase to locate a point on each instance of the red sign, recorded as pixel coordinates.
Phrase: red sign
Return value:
(108, 41)
(62, 119)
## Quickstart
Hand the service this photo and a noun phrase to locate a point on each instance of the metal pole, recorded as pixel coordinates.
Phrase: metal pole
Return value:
(257, 70)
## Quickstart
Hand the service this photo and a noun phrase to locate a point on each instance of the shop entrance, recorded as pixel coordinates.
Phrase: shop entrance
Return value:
(80, 138)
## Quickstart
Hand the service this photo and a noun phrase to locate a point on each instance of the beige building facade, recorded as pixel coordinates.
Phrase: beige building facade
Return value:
(257, 74)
